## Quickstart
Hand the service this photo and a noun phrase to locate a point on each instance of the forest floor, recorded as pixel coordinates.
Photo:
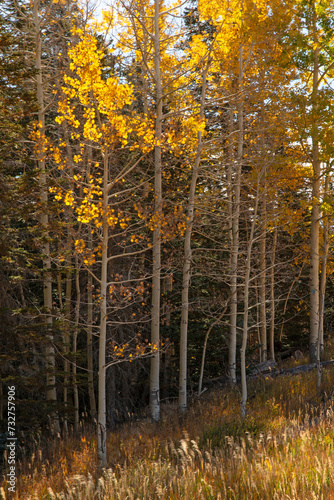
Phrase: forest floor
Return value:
(283, 449)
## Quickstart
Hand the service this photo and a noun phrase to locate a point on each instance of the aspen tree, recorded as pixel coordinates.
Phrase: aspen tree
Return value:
(262, 247)
(186, 271)
(166, 73)
(272, 297)
(221, 47)
(90, 362)
(255, 136)
(104, 129)
(67, 309)
(239, 20)
(314, 22)
(264, 133)
(315, 213)
(235, 221)
(233, 231)
(156, 248)
(326, 216)
(39, 20)
(75, 346)
(246, 289)
(222, 15)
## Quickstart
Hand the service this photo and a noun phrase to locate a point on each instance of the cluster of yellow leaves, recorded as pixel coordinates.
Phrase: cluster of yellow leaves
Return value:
(97, 111)
(41, 143)
(172, 223)
(134, 238)
(103, 101)
(179, 70)
(183, 139)
(87, 254)
(96, 95)
(130, 352)
(140, 210)
(232, 13)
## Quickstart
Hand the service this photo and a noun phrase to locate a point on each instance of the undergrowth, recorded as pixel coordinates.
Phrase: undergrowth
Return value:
(283, 449)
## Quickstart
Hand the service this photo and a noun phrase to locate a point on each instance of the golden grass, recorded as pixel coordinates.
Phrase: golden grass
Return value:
(284, 449)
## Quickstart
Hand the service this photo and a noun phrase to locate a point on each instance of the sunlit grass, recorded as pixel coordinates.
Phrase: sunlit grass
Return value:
(284, 449)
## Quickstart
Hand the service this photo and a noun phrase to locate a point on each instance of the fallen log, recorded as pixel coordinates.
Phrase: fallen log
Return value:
(292, 371)
(275, 372)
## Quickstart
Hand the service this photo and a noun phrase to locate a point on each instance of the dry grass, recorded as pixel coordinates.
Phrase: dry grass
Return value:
(284, 449)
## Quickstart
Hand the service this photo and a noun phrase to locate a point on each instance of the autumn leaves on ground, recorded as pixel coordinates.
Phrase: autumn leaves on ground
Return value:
(283, 449)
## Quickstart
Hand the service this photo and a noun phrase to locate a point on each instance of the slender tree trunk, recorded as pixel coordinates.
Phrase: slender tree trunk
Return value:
(51, 393)
(315, 217)
(235, 227)
(59, 287)
(90, 363)
(262, 251)
(258, 335)
(230, 174)
(236, 238)
(272, 299)
(262, 289)
(188, 257)
(102, 417)
(324, 272)
(156, 280)
(75, 346)
(233, 238)
(320, 344)
(66, 337)
(200, 383)
(246, 311)
(69, 275)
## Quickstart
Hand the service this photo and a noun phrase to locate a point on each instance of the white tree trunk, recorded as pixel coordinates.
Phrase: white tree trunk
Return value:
(90, 364)
(68, 288)
(156, 280)
(188, 256)
(262, 292)
(272, 299)
(315, 221)
(246, 310)
(102, 418)
(235, 227)
(51, 393)
(75, 346)
(262, 249)
(320, 344)
(232, 344)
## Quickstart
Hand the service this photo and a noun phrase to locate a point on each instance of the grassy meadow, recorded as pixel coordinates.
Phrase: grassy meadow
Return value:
(284, 449)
